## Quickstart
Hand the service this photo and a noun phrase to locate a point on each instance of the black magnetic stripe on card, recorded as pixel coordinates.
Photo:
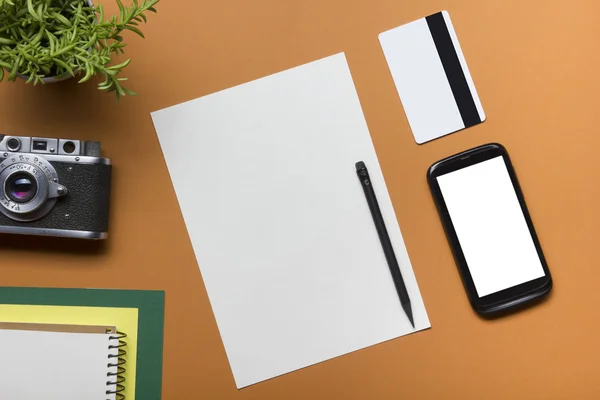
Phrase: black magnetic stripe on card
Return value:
(454, 72)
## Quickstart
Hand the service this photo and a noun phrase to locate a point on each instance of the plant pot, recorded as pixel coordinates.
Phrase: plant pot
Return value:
(57, 78)
(50, 79)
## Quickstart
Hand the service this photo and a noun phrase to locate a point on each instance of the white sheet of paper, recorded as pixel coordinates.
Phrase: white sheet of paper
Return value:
(264, 174)
(38, 365)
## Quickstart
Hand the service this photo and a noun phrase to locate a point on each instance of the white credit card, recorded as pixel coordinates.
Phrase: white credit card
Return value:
(432, 77)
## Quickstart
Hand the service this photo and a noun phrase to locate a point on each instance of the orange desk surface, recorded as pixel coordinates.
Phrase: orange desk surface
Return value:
(536, 65)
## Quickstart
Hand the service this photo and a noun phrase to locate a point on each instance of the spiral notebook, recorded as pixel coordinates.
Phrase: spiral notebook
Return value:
(61, 362)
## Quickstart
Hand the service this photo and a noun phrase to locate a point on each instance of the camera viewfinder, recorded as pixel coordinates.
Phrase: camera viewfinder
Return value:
(40, 145)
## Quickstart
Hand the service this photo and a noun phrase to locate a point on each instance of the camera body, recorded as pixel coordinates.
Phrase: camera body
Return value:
(54, 187)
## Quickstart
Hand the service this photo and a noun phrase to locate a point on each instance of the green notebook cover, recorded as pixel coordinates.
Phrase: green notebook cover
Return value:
(151, 313)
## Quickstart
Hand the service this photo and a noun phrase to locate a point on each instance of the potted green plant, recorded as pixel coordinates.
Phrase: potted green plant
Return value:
(45, 41)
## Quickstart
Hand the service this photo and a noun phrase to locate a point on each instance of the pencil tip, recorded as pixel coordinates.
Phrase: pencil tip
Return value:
(409, 314)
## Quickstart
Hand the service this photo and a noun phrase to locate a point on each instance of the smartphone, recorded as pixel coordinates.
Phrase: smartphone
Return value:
(489, 229)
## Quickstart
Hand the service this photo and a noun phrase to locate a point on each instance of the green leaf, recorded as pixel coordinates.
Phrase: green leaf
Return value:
(120, 89)
(105, 84)
(134, 29)
(40, 11)
(27, 56)
(64, 50)
(130, 92)
(120, 66)
(89, 71)
(101, 11)
(37, 38)
(61, 19)
(32, 11)
(74, 33)
(121, 10)
(52, 41)
(92, 40)
(6, 41)
(15, 66)
(65, 66)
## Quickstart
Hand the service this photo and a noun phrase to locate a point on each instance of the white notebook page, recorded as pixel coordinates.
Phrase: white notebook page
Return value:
(37, 365)
(264, 174)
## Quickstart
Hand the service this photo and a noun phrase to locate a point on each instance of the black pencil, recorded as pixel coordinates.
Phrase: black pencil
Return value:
(384, 238)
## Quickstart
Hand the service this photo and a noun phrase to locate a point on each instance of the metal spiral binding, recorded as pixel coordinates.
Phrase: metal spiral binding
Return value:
(117, 384)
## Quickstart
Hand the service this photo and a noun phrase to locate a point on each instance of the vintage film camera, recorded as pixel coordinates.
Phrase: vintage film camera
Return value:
(53, 187)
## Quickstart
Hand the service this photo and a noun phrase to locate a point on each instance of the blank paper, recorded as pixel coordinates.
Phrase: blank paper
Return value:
(265, 178)
(38, 365)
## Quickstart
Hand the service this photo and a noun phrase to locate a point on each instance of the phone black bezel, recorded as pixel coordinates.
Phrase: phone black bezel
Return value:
(509, 298)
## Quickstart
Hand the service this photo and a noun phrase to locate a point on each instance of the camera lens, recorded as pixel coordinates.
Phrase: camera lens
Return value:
(13, 144)
(21, 187)
(28, 190)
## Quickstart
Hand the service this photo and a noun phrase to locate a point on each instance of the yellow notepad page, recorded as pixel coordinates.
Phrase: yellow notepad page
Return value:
(125, 319)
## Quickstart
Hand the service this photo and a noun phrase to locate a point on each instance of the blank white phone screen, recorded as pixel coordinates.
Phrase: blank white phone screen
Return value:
(490, 225)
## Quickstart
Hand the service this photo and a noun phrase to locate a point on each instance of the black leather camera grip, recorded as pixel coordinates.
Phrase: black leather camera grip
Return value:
(84, 208)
